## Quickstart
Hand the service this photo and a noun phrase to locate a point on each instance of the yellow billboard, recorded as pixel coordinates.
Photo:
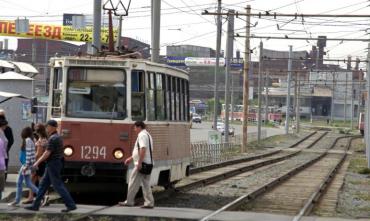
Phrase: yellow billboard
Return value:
(54, 32)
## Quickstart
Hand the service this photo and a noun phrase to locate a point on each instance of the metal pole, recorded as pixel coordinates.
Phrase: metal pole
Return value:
(118, 42)
(295, 98)
(259, 122)
(229, 55)
(232, 97)
(156, 26)
(298, 116)
(267, 98)
(367, 118)
(97, 27)
(352, 98)
(218, 49)
(345, 102)
(332, 101)
(246, 80)
(288, 92)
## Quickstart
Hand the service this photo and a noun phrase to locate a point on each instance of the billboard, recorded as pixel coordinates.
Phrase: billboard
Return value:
(205, 62)
(53, 32)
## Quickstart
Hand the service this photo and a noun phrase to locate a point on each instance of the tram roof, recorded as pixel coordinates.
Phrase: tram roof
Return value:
(116, 61)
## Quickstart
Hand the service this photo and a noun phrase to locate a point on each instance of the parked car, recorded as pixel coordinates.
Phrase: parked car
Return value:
(196, 118)
(221, 128)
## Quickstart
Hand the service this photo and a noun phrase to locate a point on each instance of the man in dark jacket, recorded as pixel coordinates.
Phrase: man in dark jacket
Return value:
(9, 135)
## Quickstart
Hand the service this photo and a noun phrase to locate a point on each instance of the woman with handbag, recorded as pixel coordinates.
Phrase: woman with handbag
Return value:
(143, 165)
(27, 158)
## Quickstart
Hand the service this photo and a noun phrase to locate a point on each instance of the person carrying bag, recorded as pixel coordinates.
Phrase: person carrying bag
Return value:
(143, 161)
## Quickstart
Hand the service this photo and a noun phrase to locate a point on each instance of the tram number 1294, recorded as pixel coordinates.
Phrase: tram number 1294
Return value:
(93, 152)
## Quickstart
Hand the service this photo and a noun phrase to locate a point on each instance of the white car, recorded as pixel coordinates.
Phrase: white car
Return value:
(221, 128)
(196, 118)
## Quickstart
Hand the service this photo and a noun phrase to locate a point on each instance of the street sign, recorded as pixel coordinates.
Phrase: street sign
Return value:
(214, 137)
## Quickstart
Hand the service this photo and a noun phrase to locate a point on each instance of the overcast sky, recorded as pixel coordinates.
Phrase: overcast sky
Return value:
(182, 22)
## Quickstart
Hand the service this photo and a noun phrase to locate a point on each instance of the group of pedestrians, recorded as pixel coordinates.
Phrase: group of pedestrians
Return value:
(41, 155)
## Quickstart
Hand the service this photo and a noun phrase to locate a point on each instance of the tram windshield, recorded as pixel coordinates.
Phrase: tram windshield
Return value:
(96, 93)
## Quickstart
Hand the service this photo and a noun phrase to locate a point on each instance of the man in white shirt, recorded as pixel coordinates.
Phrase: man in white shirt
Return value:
(142, 152)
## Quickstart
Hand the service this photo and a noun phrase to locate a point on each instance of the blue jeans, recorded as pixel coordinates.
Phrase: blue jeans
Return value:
(52, 176)
(29, 184)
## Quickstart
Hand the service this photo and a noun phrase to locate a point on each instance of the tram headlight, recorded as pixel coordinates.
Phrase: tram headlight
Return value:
(118, 154)
(68, 151)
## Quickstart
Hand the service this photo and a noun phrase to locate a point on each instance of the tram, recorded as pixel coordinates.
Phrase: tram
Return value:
(96, 100)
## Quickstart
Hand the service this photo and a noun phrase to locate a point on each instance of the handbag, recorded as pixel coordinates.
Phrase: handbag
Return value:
(147, 168)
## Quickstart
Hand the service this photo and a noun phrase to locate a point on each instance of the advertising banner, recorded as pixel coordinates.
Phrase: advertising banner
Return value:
(53, 32)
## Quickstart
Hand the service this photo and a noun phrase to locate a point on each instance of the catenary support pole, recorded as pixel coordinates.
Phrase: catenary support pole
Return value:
(367, 118)
(259, 90)
(218, 51)
(156, 26)
(229, 55)
(288, 90)
(97, 27)
(267, 98)
(246, 80)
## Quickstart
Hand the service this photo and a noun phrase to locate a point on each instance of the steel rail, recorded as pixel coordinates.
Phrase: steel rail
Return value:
(315, 197)
(250, 196)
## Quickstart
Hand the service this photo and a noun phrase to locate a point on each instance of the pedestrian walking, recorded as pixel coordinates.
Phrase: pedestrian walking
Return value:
(9, 136)
(24, 174)
(143, 164)
(53, 156)
(41, 140)
(3, 156)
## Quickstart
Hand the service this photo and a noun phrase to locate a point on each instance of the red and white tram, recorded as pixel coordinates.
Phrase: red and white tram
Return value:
(96, 100)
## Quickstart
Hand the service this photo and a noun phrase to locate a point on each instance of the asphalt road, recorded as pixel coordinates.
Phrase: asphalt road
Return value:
(199, 132)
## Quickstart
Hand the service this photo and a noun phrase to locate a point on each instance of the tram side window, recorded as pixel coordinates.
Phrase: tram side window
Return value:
(151, 96)
(57, 92)
(173, 99)
(168, 97)
(160, 96)
(137, 95)
(178, 101)
(183, 100)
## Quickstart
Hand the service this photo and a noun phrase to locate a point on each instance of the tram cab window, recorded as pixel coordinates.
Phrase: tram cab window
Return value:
(96, 93)
(57, 92)
(137, 95)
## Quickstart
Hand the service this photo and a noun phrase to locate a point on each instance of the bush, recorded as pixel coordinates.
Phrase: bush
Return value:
(364, 171)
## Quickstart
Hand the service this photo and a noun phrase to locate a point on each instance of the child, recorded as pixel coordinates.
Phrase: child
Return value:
(25, 171)
(3, 155)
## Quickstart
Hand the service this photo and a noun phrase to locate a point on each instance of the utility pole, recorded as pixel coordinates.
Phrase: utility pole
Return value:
(288, 92)
(367, 117)
(267, 97)
(218, 49)
(229, 55)
(259, 122)
(297, 113)
(232, 97)
(295, 97)
(345, 101)
(246, 80)
(332, 100)
(352, 98)
(156, 26)
(97, 27)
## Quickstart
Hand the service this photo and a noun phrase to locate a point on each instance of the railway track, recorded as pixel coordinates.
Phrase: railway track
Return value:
(214, 173)
(297, 190)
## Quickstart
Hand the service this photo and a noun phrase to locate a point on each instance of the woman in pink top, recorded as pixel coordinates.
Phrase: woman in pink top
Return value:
(3, 156)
